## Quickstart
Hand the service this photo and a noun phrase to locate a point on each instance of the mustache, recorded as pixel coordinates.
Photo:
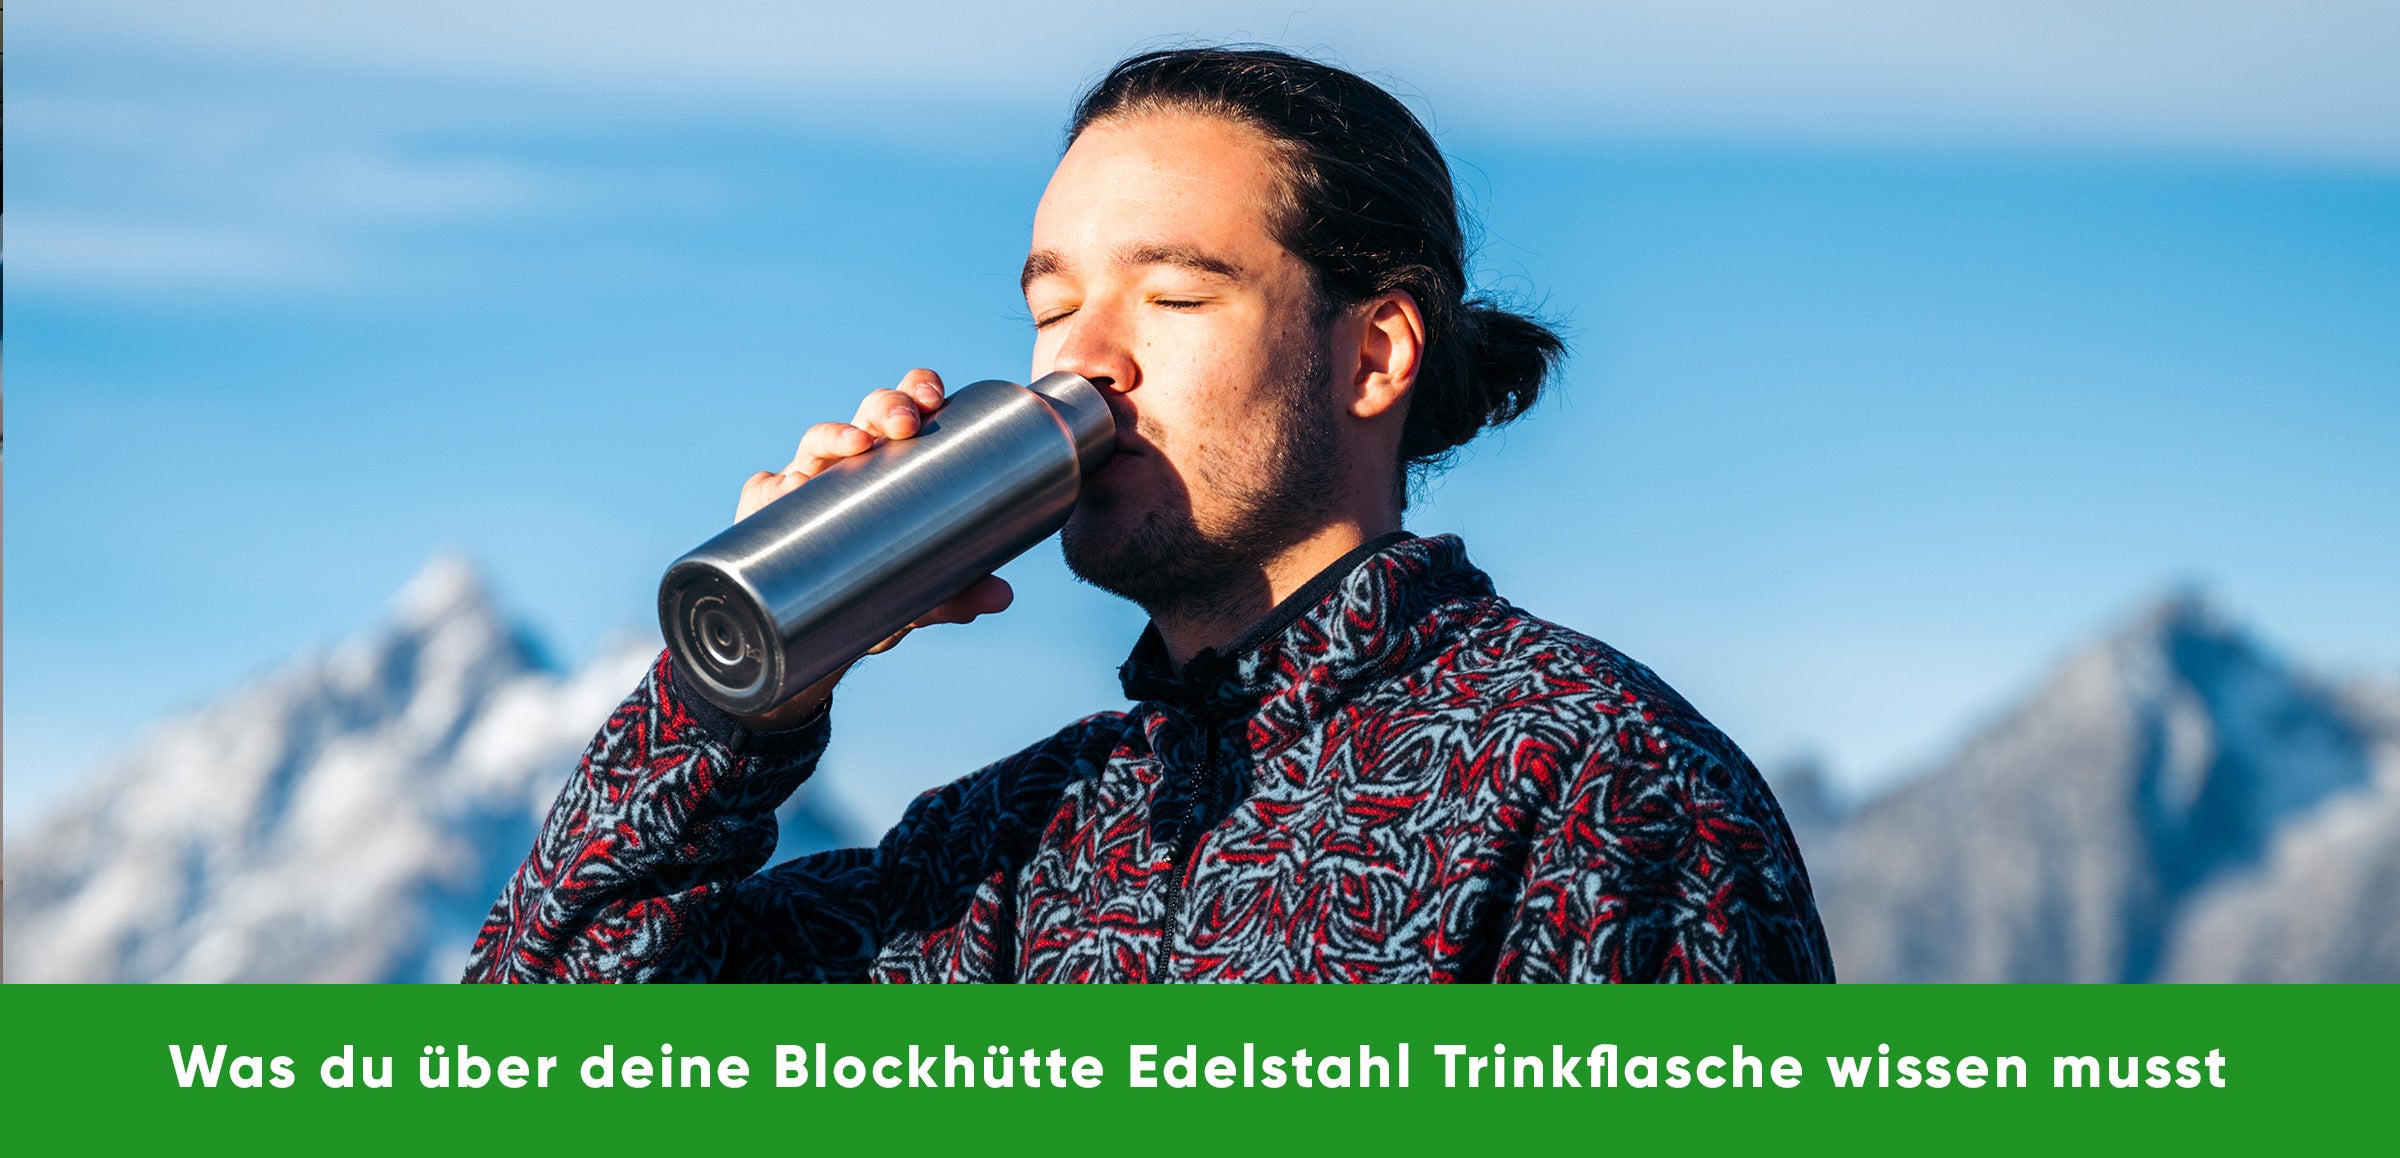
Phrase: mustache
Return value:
(1147, 435)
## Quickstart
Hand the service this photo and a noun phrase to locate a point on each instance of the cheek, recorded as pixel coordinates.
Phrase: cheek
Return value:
(1222, 358)
(1232, 404)
(1224, 448)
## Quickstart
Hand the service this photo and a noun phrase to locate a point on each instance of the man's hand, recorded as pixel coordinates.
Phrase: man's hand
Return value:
(884, 415)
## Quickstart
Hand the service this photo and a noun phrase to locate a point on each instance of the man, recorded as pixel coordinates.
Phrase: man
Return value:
(1349, 759)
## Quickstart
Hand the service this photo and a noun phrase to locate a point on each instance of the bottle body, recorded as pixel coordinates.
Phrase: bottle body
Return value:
(813, 580)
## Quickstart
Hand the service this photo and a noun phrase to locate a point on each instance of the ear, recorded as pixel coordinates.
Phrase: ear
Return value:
(1391, 346)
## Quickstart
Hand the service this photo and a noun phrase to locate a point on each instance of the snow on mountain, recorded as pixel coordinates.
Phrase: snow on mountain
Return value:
(2324, 903)
(347, 818)
(2175, 803)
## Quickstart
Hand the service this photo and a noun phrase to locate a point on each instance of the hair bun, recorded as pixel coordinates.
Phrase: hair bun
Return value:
(1495, 374)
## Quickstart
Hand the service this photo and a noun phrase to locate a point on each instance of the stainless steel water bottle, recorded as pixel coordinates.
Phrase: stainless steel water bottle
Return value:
(811, 581)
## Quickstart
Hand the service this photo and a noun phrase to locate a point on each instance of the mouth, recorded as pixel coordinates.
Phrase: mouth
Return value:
(1131, 444)
(1117, 464)
(1129, 439)
(1118, 472)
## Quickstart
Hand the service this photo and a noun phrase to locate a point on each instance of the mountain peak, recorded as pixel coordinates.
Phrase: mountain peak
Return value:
(448, 586)
(345, 817)
(2180, 614)
(2080, 835)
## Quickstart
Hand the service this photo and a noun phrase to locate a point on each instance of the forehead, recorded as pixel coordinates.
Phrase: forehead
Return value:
(1162, 178)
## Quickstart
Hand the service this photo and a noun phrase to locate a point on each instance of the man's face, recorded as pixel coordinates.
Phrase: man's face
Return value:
(1155, 271)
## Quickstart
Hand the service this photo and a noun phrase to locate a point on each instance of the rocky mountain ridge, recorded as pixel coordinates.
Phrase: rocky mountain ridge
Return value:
(347, 818)
(2176, 803)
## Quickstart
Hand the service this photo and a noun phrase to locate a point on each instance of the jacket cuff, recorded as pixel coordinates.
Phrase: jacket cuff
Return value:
(802, 739)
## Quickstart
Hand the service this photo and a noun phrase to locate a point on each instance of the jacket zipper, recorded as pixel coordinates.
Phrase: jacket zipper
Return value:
(1179, 862)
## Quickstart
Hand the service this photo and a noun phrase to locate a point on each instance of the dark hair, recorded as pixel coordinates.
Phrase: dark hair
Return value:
(1369, 205)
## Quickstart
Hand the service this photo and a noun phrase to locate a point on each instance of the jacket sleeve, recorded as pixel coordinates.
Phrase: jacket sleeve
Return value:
(643, 870)
(1664, 858)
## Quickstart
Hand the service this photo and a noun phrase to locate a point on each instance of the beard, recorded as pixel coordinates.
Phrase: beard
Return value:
(1269, 495)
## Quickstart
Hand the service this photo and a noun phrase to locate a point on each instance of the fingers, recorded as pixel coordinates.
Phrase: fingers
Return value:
(900, 412)
(888, 414)
(892, 641)
(924, 387)
(764, 487)
(986, 596)
(824, 444)
(885, 414)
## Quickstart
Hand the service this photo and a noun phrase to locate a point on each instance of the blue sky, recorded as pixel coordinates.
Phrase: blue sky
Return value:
(1913, 344)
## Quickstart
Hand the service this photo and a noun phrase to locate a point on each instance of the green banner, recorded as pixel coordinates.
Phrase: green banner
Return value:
(1472, 1071)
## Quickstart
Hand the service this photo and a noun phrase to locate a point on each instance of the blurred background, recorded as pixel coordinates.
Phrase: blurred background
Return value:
(1985, 412)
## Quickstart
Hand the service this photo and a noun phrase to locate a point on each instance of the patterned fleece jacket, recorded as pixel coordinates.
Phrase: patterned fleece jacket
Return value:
(1397, 776)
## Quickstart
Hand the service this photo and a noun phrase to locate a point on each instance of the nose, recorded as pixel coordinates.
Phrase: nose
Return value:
(1095, 348)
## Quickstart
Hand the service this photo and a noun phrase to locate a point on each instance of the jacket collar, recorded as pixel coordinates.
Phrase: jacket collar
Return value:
(1358, 621)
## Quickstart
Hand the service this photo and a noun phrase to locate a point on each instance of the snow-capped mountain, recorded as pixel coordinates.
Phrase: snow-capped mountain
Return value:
(2176, 803)
(348, 818)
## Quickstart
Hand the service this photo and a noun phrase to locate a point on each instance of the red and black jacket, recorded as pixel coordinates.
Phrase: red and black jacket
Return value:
(1397, 777)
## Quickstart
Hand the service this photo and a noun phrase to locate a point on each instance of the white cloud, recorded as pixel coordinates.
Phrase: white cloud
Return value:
(51, 252)
(269, 159)
(278, 133)
(373, 184)
(130, 196)
(2302, 78)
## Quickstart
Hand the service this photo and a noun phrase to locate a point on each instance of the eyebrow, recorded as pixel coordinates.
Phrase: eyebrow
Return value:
(1039, 264)
(1185, 256)
(1042, 263)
